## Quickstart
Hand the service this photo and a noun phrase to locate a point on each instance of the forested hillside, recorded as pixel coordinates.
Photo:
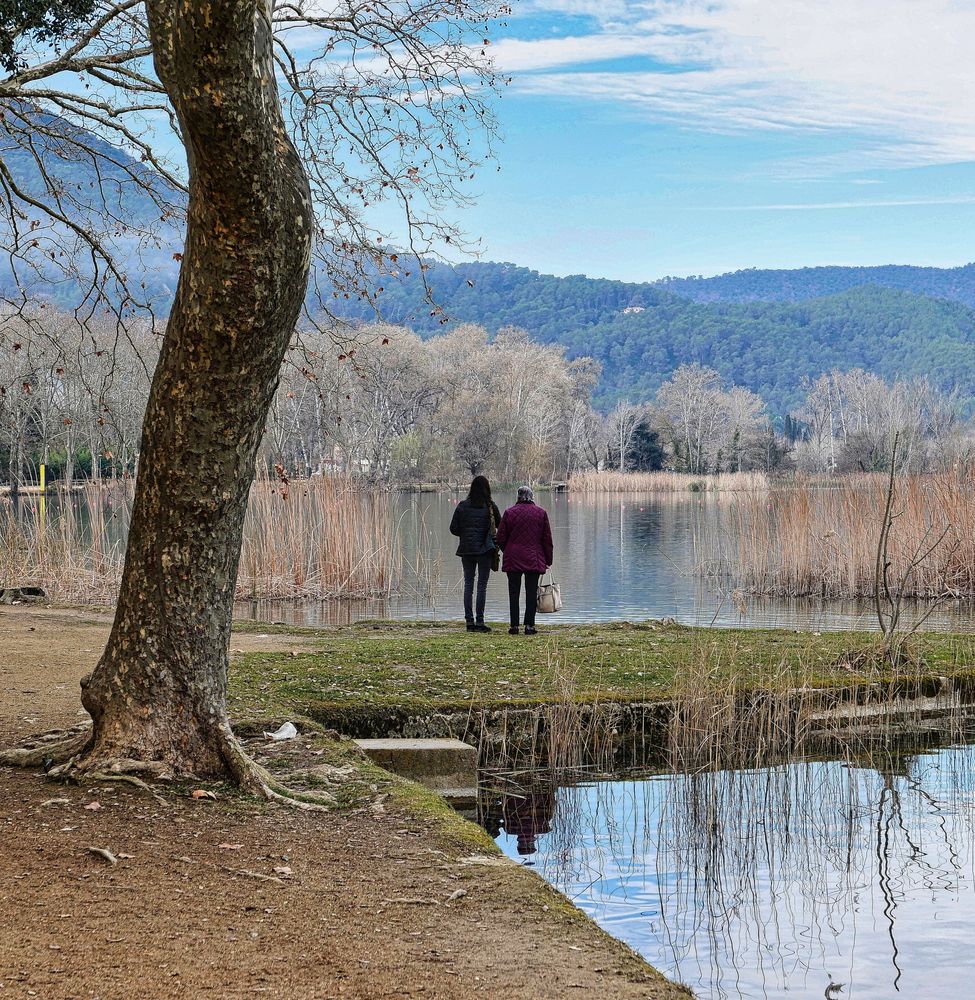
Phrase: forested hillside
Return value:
(753, 285)
(771, 347)
(766, 330)
(642, 332)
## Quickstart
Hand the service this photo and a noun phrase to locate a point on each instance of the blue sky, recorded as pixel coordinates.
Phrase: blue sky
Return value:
(652, 137)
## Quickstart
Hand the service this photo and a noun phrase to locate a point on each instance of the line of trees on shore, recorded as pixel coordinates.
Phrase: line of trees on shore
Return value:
(386, 404)
(72, 396)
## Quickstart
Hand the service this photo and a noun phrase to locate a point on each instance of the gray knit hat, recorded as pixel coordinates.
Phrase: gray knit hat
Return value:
(525, 494)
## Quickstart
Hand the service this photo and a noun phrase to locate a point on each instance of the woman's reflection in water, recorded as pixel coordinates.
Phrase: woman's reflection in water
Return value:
(527, 816)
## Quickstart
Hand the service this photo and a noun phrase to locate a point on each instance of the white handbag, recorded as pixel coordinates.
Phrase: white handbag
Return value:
(549, 598)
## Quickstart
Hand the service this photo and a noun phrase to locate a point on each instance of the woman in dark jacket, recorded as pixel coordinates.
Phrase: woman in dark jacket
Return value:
(472, 525)
(525, 537)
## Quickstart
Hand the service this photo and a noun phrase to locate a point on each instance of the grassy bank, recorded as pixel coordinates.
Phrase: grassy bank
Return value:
(422, 667)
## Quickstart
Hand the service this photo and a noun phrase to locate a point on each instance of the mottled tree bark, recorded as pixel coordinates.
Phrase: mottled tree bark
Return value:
(158, 694)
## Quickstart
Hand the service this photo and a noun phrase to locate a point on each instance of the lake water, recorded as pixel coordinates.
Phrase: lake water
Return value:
(617, 557)
(777, 882)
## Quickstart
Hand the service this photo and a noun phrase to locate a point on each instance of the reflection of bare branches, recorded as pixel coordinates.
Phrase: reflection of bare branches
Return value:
(768, 869)
(883, 870)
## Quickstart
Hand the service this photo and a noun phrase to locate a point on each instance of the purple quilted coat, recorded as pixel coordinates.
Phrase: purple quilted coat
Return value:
(525, 537)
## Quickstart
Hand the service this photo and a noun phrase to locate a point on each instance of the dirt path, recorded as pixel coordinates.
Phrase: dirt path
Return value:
(44, 653)
(359, 905)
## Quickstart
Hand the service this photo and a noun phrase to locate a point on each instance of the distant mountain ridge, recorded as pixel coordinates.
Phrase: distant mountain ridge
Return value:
(101, 188)
(642, 332)
(764, 329)
(757, 285)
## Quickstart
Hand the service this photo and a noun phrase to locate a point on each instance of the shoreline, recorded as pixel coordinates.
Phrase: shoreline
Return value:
(406, 678)
(295, 904)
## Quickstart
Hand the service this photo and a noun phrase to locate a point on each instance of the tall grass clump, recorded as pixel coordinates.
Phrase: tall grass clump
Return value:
(318, 538)
(809, 540)
(322, 538)
(795, 709)
(664, 482)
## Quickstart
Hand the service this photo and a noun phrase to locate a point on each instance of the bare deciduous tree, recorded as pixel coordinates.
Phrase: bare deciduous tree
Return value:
(709, 427)
(381, 102)
(622, 426)
(852, 419)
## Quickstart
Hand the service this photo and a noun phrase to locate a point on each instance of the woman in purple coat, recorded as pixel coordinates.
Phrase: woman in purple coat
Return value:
(525, 538)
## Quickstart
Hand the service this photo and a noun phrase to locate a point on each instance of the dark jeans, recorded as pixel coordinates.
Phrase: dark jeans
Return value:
(482, 564)
(531, 597)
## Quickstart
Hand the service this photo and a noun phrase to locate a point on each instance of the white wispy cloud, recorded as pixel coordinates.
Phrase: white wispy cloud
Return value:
(516, 56)
(896, 75)
(819, 206)
(601, 10)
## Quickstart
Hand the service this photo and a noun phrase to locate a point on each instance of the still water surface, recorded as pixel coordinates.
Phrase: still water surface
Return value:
(625, 557)
(617, 557)
(777, 882)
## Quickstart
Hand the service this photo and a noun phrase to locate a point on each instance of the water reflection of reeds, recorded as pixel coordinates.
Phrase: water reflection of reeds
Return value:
(783, 846)
(783, 879)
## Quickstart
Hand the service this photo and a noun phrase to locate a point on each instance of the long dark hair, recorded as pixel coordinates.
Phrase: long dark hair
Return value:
(480, 492)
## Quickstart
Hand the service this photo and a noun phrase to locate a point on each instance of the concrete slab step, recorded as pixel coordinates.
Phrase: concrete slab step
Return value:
(445, 765)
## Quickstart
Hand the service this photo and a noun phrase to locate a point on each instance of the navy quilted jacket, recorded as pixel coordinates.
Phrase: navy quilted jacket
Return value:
(472, 526)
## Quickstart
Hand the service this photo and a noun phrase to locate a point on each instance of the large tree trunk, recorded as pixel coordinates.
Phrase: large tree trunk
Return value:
(158, 694)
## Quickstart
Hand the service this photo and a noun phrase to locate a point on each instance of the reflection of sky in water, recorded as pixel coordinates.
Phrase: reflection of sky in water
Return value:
(775, 882)
(616, 557)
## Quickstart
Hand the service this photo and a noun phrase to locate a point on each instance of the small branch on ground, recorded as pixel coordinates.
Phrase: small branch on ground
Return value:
(105, 854)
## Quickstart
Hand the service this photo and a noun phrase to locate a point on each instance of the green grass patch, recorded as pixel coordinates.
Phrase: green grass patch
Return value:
(403, 666)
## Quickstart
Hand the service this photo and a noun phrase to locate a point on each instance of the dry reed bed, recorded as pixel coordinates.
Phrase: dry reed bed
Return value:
(810, 541)
(323, 538)
(664, 482)
(74, 548)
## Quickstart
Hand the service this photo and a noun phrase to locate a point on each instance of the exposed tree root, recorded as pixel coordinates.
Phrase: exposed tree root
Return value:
(129, 779)
(55, 747)
(62, 754)
(257, 780)
(84, 767)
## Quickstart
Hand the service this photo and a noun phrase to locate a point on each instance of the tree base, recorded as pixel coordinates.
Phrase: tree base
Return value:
(73, 756)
